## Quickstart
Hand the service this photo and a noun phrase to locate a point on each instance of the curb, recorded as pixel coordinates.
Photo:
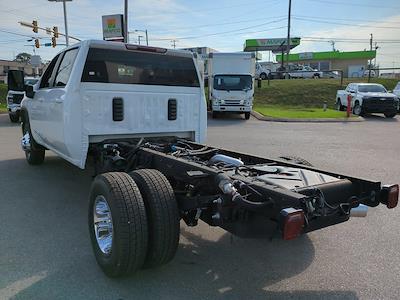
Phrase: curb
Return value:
(261, 117)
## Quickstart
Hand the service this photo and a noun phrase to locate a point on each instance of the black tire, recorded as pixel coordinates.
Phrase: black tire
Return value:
(163, 216)
(247, 115)
(34, 156)
(263, 76)
(390, 115)
(339, 105)
(129, 221)
(357, 109)
(214, 114)
(316, 76)
(14, 118)
(297, 160)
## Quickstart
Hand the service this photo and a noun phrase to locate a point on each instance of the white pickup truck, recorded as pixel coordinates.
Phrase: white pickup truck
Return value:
(14, 97)
(368, 98)
(140, 113)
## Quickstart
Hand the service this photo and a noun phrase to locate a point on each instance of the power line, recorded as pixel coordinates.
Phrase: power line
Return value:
(224, 32)
(353, 4)
(218, 24)
(344, 24)
(344, 19)
(16, 33)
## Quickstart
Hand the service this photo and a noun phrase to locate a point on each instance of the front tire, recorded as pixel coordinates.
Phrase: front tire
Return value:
(357, 109)
(35, 154)
(163, 216)
(339, 105)
(14, 118)
(117, 224)
(263, 76)
(247, 115)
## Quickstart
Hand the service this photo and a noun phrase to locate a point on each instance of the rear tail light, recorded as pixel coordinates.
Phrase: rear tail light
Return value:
(145, 48)
(390, 195)
(292, 222)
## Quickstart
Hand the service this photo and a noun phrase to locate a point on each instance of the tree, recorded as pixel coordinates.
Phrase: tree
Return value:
(23, 57)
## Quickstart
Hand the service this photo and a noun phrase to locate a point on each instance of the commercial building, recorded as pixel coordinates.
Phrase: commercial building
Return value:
(6, 65)
(353, 64)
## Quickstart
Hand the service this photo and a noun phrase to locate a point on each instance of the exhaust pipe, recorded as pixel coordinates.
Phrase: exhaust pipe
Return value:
(359, 211)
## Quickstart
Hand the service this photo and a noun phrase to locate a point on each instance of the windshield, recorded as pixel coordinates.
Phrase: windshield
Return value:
(371, 89)
(31, 81)
(233, 82)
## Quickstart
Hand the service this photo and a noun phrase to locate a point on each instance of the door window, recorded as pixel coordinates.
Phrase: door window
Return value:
(45, 82)
(65, 68)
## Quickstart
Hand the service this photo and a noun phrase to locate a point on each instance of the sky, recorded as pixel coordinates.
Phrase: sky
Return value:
(220, 24)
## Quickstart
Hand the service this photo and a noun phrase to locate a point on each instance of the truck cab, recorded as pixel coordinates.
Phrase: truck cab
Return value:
(96, 90)
(231, 83)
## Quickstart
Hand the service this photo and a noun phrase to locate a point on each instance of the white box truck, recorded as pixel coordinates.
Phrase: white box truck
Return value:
(231, 84)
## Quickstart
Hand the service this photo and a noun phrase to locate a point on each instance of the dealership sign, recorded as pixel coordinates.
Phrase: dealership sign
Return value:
(275, 44)
(113, 28)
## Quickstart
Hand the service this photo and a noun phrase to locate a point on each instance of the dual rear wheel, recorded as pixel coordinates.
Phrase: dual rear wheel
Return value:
(133, 221)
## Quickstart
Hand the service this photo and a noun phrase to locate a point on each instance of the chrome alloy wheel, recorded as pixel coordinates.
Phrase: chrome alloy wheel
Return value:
(103, 225)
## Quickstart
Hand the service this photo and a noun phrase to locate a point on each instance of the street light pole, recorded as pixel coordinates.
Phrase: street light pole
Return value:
(65, 23)
(65, 18)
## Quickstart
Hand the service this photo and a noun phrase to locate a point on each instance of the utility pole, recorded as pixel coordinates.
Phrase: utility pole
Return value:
(370, 61)
(126, 35)
(288, 38)
(333, 45)
(174, 43)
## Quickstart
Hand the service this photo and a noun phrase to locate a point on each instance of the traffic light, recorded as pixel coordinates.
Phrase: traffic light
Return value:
(55, 31)
(53, 42)
(35, 26)
(37, 45)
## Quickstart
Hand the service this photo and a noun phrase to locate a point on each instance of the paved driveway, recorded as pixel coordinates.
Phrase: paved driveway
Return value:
(44, 242)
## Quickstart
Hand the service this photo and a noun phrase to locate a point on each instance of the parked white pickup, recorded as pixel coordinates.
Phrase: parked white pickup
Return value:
(368, 98)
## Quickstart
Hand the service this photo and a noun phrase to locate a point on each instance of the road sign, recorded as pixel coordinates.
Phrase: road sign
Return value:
(113, 27)
(36, 60)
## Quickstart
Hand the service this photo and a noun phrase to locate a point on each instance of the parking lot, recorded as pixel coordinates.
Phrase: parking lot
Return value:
(45, 251)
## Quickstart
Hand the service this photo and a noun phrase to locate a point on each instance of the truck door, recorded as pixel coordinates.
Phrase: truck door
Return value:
(37, 107)
(55, 101)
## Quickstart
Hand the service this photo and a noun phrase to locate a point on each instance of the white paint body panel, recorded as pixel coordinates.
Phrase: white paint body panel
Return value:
(65, 120)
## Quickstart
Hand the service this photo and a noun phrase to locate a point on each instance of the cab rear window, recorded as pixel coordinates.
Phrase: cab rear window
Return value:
(132, 67)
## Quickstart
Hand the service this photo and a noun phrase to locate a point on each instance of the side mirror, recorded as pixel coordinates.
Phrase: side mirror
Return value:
(29, 92)
(15, 80)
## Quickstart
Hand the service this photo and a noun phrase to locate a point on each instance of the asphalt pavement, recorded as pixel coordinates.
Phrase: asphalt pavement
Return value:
(45, 251)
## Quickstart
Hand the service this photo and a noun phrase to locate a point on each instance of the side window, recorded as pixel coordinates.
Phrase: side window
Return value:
(45, 82)
(65, 68)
